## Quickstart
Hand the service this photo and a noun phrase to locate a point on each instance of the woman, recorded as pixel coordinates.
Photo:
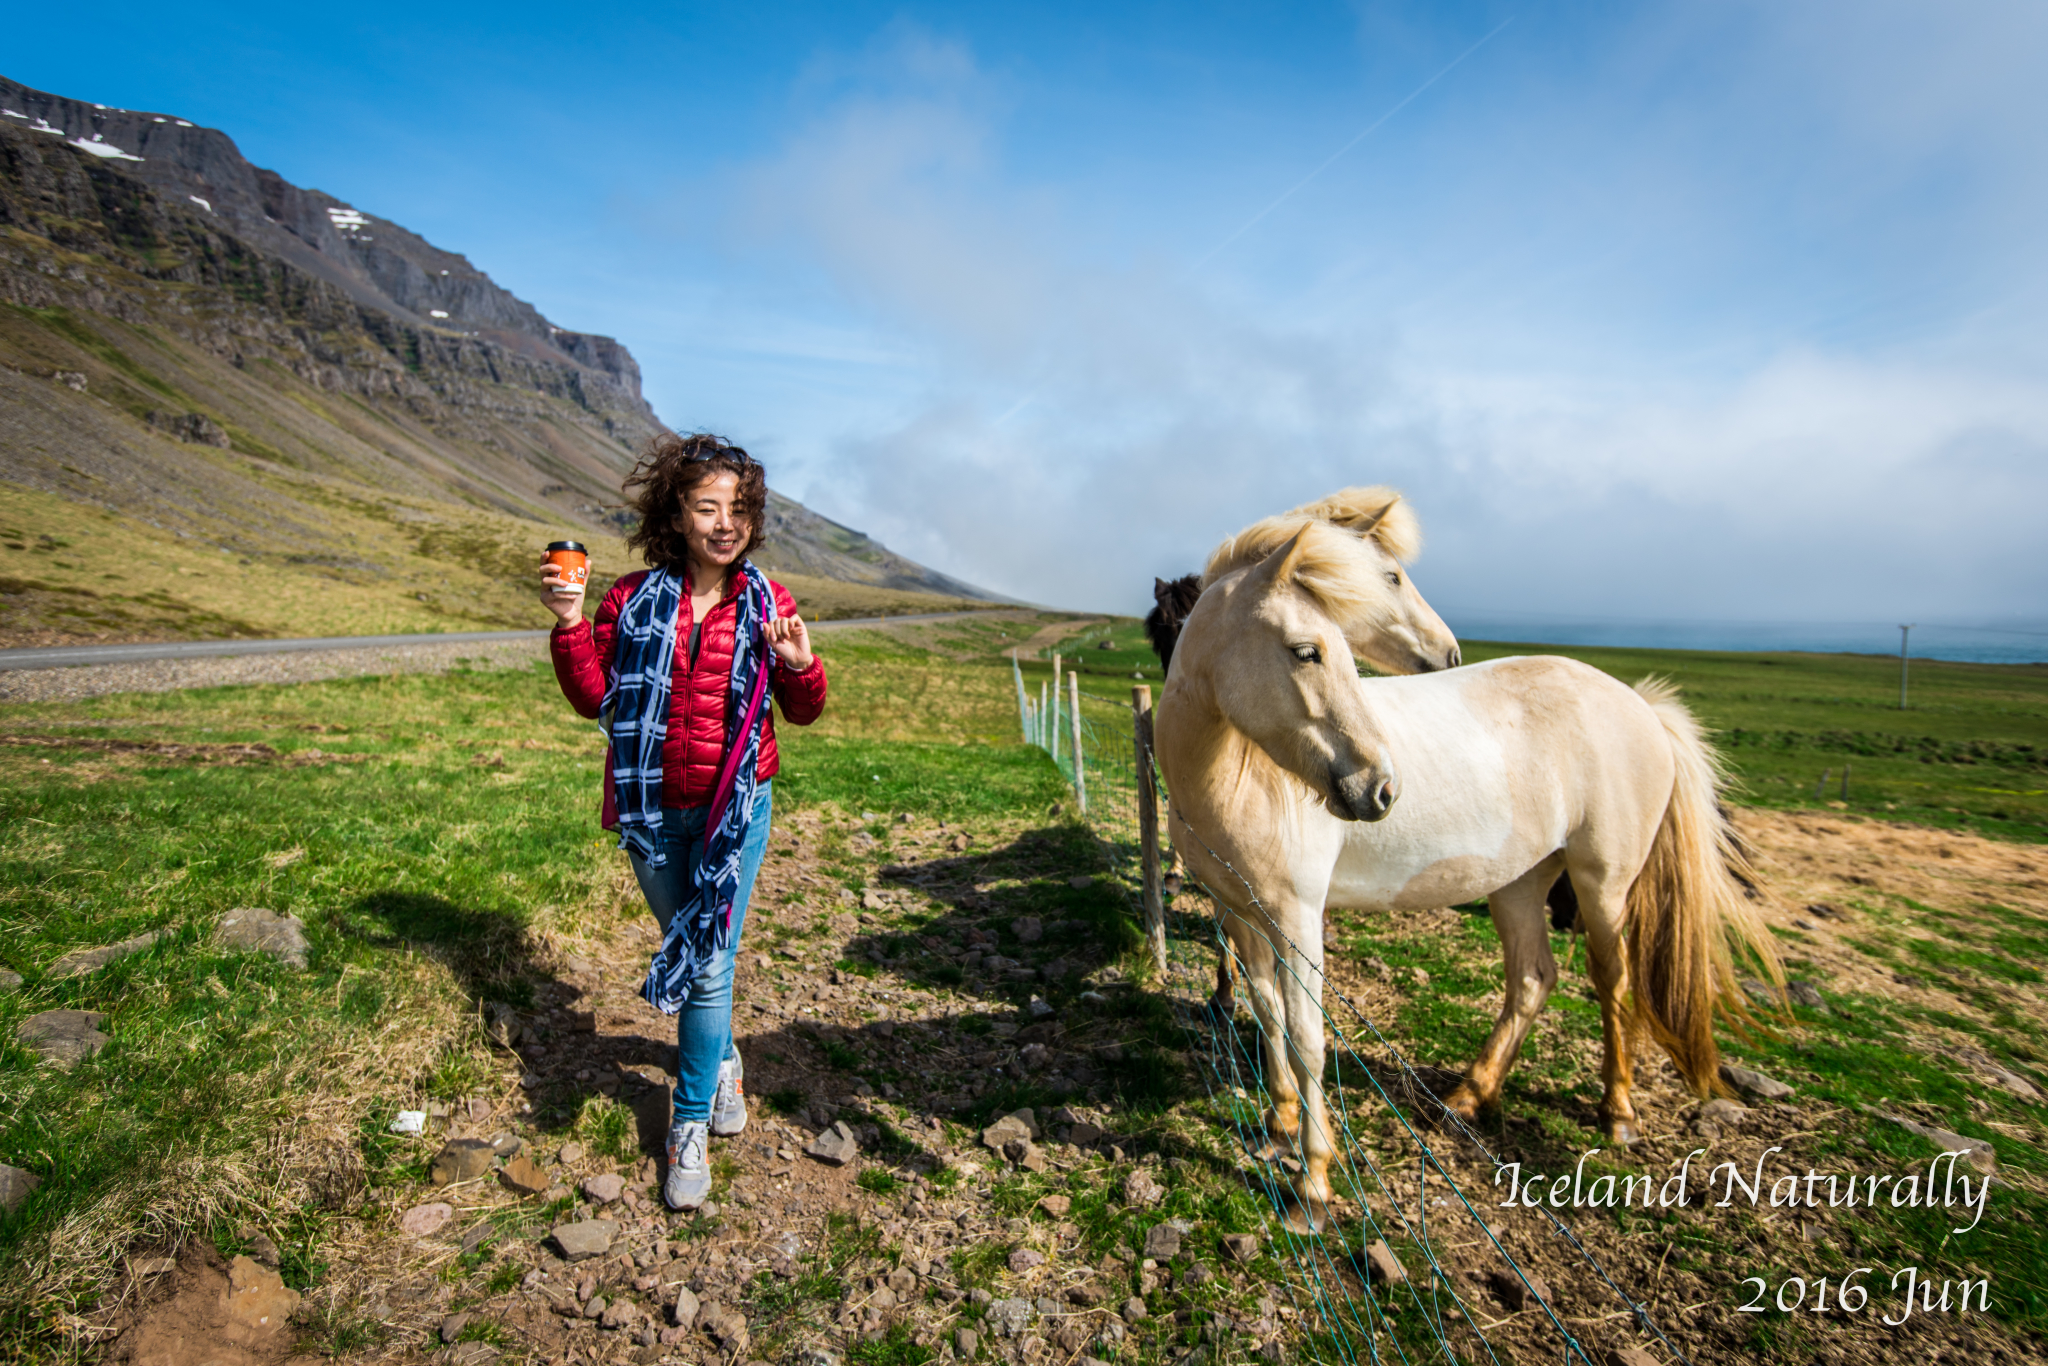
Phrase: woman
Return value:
(680, 664)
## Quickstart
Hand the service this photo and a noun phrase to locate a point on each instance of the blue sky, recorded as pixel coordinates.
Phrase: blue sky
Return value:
(1679, 311)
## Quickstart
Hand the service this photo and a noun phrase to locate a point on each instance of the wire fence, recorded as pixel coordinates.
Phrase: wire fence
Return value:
(1418, 1261)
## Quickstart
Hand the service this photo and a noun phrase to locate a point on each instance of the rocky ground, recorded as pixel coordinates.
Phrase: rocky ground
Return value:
(961, 1147)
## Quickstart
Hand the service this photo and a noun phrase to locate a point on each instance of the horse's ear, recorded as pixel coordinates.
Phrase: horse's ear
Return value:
(1279, 566)
(1368, 528)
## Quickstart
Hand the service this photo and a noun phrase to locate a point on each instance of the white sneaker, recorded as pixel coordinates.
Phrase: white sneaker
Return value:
(729, 1105)
(689, 1165)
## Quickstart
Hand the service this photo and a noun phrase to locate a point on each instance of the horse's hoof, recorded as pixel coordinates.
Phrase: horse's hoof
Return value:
(1623, 1133)
(1464, 1103)
(1306, 1217)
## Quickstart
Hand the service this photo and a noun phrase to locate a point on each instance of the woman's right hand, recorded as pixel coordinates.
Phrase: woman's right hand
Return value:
(563, 598)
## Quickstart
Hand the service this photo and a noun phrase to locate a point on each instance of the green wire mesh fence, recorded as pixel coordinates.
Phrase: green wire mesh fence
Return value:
(1418, 1261)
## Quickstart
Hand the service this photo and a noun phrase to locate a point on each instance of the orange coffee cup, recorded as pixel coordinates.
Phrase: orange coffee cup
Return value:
(571, 559)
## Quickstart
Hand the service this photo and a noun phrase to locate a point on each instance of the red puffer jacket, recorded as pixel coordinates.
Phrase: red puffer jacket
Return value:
(695, 743)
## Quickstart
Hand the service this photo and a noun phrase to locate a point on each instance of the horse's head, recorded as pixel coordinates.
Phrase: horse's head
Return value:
(1171, 603)
(1265, 645)
(1384, 617)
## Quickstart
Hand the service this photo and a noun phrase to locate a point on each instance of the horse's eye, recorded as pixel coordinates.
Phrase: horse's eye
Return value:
(1308, 654)
(1394, 577)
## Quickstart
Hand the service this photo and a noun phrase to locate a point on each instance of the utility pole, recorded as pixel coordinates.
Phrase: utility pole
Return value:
(1903, 629)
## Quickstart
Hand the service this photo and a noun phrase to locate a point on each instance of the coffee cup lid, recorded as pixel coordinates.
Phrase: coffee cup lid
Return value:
(565, 545)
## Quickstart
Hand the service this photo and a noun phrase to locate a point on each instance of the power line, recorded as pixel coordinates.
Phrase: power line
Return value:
(1366, 132)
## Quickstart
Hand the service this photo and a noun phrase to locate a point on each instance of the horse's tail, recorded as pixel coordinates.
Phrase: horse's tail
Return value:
(1688, 911)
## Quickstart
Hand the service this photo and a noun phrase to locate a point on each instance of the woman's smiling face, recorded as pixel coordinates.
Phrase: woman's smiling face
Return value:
(716, 534)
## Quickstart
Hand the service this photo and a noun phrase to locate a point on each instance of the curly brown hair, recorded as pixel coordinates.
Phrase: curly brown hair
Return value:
(669, 471)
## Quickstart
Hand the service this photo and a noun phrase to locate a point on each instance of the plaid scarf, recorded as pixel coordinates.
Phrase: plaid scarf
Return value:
(643, 670)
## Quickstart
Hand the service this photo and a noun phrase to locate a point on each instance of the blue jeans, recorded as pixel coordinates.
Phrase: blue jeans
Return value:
(704, 1026)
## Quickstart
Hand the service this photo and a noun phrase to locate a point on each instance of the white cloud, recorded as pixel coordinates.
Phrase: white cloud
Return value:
(1068, 419)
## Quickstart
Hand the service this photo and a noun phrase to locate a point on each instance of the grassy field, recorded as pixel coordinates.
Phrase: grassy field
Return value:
(1970, 753)
(437, 835)
(389, 565)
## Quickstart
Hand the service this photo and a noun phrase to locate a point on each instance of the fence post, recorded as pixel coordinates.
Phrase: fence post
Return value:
(1074, 720)
(1148, 822)
(1039, 718)
(1054, 747)
(1023, 702)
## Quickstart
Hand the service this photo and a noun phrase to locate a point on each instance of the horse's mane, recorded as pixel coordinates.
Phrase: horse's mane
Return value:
(1335, 568)
(1391, 519)
(1171, 603)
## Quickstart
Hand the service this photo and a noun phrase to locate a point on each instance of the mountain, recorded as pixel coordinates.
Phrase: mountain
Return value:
(194, 343)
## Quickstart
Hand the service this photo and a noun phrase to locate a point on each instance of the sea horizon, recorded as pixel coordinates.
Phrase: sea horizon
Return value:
(2018, 642)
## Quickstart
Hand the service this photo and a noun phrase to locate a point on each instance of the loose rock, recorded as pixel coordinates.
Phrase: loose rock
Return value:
(588, 1238)
(1514, 1293)
(1134, 1310)
(604, 1188)
(965, 1343)
(684, 1310)
(836, 1147)
(1162, 1241)
(1383, 1266)
(523, 1174)
(10, 980)
(1008, 1318)
(258, 1298)
(1978, 1153)
(63, 1037)
(16, 1186)
(1029, 929)
(1005, 1131)
(1629, 1356)
(463, 1159)
(502, 1024)
(1754, 1084)
(1057, 1205)
(1802, 993)
(255, 930)
(1722, 1110)
(1142, 1190)
(423, 1220)
(79, 962)
(1241, 1247)
(452, 1326)
(1025, 1258)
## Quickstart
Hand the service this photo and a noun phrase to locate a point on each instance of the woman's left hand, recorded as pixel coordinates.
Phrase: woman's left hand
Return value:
(791, 641)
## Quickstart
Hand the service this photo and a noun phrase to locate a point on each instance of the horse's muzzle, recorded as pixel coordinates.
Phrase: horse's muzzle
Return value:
(1365, 796)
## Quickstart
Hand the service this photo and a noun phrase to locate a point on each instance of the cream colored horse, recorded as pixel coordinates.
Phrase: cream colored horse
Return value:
(1297, 784)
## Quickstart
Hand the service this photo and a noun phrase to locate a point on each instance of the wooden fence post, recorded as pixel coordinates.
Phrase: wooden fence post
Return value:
(1054, 747)
(1074, 721)
(1148, 822)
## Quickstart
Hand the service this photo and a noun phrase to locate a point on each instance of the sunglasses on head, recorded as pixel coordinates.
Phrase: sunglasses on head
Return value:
(732, 453)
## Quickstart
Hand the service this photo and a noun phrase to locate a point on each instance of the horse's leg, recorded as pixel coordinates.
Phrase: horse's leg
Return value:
(1283, 1119)
(1224, 1002)
(1301, 991)
(1602, 913)
(1531, 971)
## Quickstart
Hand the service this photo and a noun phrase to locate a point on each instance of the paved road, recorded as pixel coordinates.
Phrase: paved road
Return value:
(77, 656)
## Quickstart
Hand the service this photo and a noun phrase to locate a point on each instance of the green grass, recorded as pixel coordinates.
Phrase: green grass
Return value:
(1972, 751)
(425, 879)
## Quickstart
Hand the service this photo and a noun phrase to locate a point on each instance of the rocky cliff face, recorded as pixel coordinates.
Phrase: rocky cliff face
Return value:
(179, 321)
(370, 260)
